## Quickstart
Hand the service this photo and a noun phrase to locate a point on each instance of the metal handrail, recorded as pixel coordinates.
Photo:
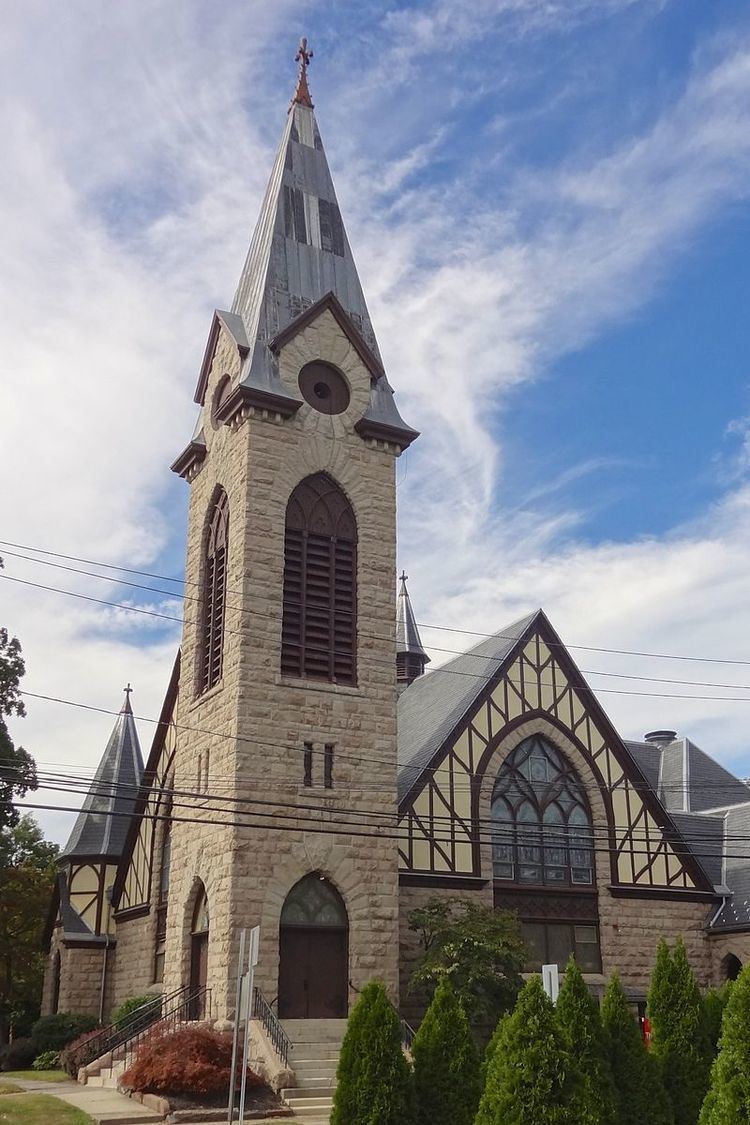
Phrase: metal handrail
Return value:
(108, 1038)
(407, 1034)
(187, 1009)
(262, 1011)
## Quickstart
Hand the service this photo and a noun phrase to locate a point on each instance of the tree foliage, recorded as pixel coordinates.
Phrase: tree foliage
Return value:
(187, 1061)
(27, 871)
(581, 1024)
(17, 770)
(728, 1099)
(714, 1003)
(373, 1081)
(479, 949)
(446, 1064)
(639, 1094)
(679, 1038)
(531, 1077)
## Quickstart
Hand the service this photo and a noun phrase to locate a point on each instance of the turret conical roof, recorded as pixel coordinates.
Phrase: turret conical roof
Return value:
(408, 639)
(102, 823)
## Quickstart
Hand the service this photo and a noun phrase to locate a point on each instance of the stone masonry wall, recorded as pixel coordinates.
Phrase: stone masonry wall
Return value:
(133, 971)
(253, 724)
(81, 979)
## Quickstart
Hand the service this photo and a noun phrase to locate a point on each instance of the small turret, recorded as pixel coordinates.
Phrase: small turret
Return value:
(410, 655)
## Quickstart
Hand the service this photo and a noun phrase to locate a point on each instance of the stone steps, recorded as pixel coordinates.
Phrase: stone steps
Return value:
(314, 1059)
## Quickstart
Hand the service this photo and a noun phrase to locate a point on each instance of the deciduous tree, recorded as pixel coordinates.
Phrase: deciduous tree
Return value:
(17, 770)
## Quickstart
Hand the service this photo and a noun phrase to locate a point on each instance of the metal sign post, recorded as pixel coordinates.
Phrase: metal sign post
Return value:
(247, 984)
(551, 981)
(236, 1032)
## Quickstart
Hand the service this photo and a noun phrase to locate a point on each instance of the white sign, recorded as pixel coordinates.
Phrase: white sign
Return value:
(551, 981)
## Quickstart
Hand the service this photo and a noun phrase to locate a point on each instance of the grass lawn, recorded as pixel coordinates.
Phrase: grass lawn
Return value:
(9, 1088)
(37, 1075)
(40, 1109)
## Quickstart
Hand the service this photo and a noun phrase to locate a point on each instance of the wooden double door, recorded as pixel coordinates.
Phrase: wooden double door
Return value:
(313, 972)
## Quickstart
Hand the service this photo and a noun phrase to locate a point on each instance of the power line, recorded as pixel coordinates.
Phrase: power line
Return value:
(421, 624)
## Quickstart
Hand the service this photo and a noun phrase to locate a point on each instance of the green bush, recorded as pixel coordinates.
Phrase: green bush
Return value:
(48, 1060)
(714, 1003)
(373, 1080)
(18, 1055)
(531, 1078)
(446, 1064)
(51, 1033)
(581, 1024)
(492, 1046)
(639, 1094)
(679, 1038)
(728, 1098)
(129, 1006)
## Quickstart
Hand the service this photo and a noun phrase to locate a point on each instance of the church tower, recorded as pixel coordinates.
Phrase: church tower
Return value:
(287, 706)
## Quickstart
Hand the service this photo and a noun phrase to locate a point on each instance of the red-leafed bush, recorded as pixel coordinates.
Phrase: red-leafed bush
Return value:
(80, 1052)
(187, 1061)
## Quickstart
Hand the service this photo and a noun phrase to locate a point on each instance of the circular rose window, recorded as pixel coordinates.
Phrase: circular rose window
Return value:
(324, 388)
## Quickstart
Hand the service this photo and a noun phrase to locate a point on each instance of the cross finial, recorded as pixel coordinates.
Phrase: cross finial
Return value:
(126, 704)
(302, 93)
(404, 576)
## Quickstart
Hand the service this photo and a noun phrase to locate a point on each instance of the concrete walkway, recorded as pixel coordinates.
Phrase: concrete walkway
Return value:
(106, 1107)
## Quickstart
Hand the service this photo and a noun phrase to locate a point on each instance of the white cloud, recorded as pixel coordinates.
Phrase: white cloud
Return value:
(134, 173)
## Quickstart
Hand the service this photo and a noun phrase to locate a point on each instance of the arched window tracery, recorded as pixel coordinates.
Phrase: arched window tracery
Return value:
(215, 584)
(320, 583)
(541, 824)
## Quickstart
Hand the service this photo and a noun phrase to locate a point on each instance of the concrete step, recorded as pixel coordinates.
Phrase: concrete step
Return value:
(315, 1077)
(304, 1052)
(294, 1094)
(314, 1031)
(317, 1112)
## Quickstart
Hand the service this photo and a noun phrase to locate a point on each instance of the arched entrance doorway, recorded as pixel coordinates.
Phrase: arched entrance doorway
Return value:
(731, 967)
(313, 952)
(199, 954)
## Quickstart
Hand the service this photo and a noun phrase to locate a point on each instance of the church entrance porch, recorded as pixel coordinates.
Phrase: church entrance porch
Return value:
(313, 952)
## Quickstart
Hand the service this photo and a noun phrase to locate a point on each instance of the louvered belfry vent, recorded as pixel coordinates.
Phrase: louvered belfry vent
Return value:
(212, 641)
(319, 628)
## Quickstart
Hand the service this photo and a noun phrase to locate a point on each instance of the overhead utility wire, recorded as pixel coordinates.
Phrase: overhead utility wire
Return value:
(375, 660)
(421, 624)
(369, 636)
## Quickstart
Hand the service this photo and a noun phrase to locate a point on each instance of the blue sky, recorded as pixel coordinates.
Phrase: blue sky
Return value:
(549, 204)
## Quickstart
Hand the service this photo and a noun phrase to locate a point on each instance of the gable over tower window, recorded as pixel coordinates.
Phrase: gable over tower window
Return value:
(215, 586)
(319, 626)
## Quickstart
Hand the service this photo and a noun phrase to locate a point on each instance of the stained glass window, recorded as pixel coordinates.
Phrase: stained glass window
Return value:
(541, 825)
(313, 902)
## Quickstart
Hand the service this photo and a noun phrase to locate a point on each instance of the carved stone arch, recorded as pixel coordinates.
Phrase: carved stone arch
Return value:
(731, 967)
(588, 773)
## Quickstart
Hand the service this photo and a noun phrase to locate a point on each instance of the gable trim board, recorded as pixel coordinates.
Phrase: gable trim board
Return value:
(484, 723)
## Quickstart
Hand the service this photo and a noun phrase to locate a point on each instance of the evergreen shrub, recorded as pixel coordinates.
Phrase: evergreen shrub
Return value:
(679, 1038)
(531, 1077)
(728, 1099)
(581, 1024)
(131, 1005)
(639, 1094)
(446, 1063)
(18, 1055)
(51, 1033)
(714, 1003)
(373, 1081)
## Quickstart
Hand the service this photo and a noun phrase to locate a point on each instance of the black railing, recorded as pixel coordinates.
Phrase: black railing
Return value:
(407, 1033)
(194, 1004)
(275, 1032)
(121, 1037)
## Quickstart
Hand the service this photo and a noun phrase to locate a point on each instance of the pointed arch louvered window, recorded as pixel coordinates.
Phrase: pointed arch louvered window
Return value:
(215, 578)
(319, 627)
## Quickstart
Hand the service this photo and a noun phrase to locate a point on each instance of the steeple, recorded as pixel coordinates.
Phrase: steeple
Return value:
(410, 655)
(100, 828)
(299, 263)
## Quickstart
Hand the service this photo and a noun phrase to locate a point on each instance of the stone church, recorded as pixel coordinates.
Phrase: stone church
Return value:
(309, 774)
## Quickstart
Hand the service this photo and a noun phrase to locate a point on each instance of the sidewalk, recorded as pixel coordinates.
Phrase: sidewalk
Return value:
(106, 1107)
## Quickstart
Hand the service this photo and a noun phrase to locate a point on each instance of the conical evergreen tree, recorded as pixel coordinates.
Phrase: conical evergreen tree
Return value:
(714, 1003)
(531, 1078)
(639, 1094)
(580, 1022)
(679, 1039)
(446, 1064)
(728, 1098)
(373, 1080)
(493, 1045)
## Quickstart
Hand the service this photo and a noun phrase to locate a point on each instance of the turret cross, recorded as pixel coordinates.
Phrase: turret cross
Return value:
(302, 93)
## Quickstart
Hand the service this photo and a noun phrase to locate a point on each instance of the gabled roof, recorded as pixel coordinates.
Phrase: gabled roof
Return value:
(102, 824)
(431, 706)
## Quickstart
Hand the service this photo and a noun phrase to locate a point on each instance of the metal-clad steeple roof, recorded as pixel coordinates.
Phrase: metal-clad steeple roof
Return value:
(407, 633)
(299, 258)
(97, 832)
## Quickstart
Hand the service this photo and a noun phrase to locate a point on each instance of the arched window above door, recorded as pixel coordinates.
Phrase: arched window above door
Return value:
(319, 627)
(541, 823)
(313, 902)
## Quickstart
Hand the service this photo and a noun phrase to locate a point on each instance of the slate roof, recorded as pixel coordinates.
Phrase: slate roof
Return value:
(647, 755)
(735, 911)
(704, 835)
(97, 832)
(430, 707)
(408, 639)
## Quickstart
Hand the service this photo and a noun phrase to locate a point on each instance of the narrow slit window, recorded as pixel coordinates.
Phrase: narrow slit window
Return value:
(215, 585)
(328, 766)
(308, 763)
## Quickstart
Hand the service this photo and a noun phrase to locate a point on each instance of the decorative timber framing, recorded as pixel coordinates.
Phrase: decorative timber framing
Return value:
(440, 814)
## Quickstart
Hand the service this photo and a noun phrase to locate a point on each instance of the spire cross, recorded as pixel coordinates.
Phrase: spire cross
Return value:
(404, 576)
(302, 93)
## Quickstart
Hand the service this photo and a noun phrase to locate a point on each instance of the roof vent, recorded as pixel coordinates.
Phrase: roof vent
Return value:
(660, 737)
